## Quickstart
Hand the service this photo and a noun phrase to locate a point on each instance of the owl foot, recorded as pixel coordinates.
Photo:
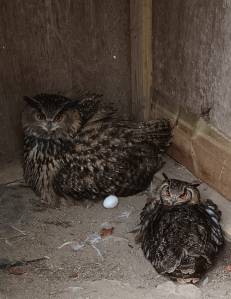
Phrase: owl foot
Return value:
(67, 201)
(86, 203)
(188, 280)
(39, 208)
(47, 202)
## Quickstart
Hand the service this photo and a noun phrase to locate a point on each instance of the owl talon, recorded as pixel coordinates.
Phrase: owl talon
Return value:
(47, 203)
(85, 203)
(67, 201)
(188, 280)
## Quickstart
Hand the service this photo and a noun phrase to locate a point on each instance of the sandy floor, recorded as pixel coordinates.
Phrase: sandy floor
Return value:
(79, 263)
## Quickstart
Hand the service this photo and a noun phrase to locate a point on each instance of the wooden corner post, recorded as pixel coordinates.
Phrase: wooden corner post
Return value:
(141, 58)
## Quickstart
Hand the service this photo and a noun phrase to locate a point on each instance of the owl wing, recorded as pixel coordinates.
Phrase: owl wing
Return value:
(156, 240)
(96, 172)
(205, 240)
(154, 132)
(149, 220)
(88, 106)
(162, 243)
(112, 157)
(215, 238)
(102, 118)
(150, 213)
(202, 241)
(182, 241)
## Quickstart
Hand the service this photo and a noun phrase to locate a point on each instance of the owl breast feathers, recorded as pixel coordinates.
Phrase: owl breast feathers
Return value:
(78, 148)
(181, 235)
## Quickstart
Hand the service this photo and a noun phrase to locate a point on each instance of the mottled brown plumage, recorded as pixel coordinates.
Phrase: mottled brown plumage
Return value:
(79, 149)
(180, 235)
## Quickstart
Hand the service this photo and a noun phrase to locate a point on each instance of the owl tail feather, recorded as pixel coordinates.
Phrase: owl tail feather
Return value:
(159, 132)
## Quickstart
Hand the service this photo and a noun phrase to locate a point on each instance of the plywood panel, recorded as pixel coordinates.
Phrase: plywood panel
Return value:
(58, 46)
(141, 57)
(192, 56)
(199, 146)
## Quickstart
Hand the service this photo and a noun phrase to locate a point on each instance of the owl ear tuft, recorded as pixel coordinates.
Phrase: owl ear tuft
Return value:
(90, 103)
(91, 98)
(196, 184)
(71, 104)
(165, 176)
(31, 102)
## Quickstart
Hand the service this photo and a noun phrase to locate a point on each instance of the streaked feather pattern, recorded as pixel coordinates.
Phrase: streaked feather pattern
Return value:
(90, 153)
(181, 240)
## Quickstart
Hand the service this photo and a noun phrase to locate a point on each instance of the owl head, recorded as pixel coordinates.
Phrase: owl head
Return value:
(176, 192)
(54, 116)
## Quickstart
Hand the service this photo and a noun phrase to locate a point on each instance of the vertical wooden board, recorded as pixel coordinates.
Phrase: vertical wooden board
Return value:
(60, 46)
(141, 57)
(192, 56)
(200, 147)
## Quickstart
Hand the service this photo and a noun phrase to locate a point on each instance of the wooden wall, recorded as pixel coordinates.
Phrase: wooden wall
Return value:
(191, 82)
(190, 76)
(58, 46)
(192, 57)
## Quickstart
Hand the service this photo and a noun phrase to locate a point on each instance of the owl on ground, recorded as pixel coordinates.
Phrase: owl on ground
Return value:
(180, 235)
(79, 149)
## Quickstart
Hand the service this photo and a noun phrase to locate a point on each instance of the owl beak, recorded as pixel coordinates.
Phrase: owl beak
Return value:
(174, 201)
(49, 125)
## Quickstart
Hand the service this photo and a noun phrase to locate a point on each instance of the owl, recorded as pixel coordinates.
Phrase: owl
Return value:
(78, 149)
(180, 235)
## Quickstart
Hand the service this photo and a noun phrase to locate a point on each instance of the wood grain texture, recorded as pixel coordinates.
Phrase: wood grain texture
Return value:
(200, 147)
(141, 57)
(192, 56)
(59, 46)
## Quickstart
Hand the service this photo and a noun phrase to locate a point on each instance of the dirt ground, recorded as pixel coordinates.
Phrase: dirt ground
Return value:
(81, 264)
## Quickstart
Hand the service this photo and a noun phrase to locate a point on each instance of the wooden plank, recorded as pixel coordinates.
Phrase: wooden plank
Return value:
(141, 57)
(191, 56)
(59, 46)
(201, 148)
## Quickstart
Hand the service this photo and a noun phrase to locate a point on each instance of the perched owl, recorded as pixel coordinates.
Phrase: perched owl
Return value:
(180, 235)
(77, 148)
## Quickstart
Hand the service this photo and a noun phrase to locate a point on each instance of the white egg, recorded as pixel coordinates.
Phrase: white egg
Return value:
(110, 201)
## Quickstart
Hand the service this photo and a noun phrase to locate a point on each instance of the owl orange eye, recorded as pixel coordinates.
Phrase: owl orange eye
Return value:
(183, 195)
(58, 117)
(167, 192)
(40, 116)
